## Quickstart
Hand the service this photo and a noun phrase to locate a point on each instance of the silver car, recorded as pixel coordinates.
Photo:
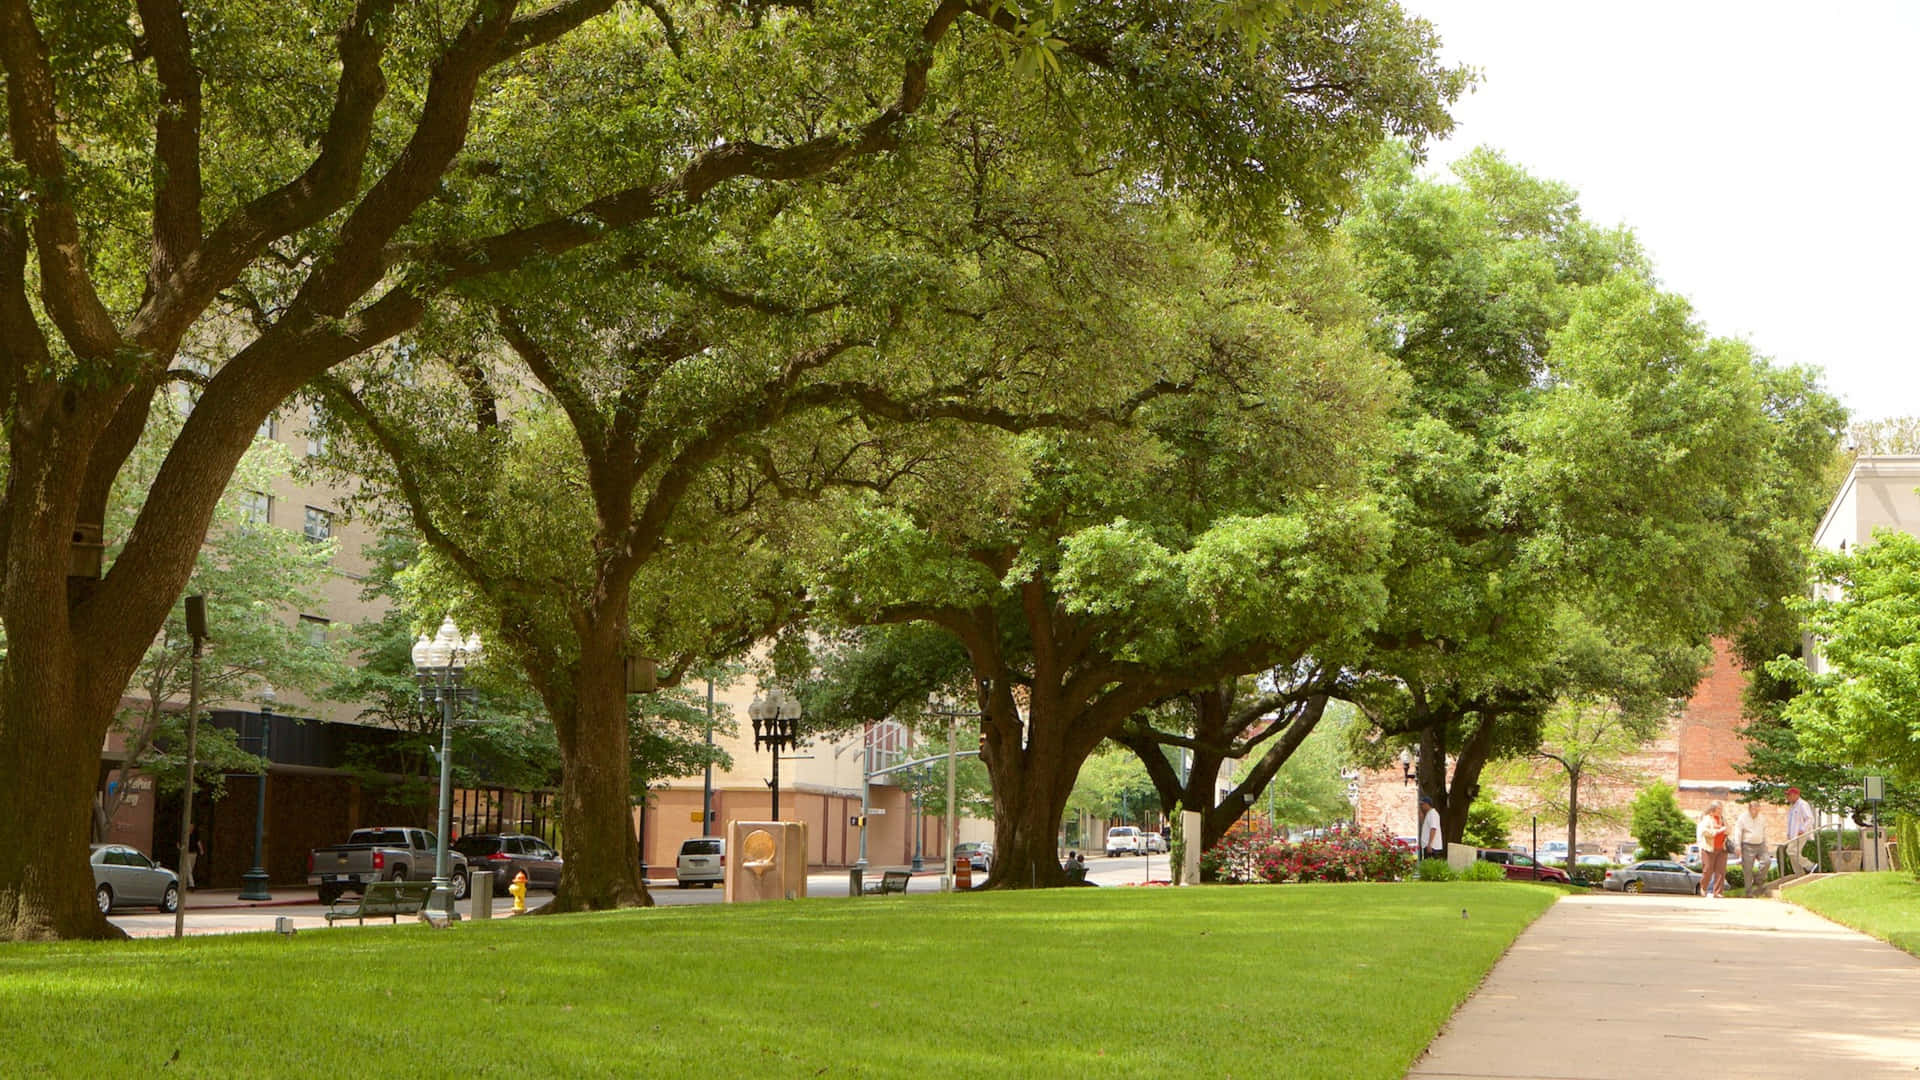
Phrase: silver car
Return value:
(1653, 875)
(123, 877)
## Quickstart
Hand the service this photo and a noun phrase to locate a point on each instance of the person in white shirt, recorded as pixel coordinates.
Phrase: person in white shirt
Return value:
(1799, 823)
(1750, 839)
(1431, 844)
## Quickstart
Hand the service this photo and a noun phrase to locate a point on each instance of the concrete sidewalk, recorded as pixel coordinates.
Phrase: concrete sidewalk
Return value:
(1606, 986)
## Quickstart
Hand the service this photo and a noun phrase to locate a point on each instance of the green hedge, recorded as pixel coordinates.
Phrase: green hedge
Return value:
(1906, 831)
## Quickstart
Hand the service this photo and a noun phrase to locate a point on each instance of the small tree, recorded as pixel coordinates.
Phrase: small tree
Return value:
(1658, 822)
(1488, 824)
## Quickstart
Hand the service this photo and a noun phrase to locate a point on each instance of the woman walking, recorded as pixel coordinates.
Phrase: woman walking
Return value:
(1713, 852)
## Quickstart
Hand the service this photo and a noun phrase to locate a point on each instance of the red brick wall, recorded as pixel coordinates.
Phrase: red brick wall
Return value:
(1710, 741)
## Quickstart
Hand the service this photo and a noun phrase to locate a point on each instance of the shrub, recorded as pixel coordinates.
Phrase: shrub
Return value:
(1823, 844)
(1342, 854)
(1438, 870)
(1658, 822)
(1587, 875)
(1906, 829)
(1487, 824)
(1481, 870)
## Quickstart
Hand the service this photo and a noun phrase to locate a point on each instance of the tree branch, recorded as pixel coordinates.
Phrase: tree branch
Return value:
(324, 187)
(728, 161)
(68, 292)
(176, 127)
(586, 420)
(359, 260)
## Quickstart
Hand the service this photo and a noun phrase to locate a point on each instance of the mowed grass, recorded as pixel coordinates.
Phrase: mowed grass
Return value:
(1276, 981)
(1885, 905)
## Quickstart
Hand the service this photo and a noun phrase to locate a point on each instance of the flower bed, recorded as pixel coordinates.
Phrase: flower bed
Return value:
(1341, 854)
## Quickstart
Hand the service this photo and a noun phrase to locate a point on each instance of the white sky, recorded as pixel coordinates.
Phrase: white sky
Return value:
(1764, 153)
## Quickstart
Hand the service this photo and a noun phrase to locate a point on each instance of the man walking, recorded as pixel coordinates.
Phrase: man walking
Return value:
(1431, 845)
(1750, 833)
(1799, 823)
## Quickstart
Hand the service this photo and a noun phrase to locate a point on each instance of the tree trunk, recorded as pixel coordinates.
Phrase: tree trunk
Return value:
(1573, 820)
(1453, 796)
(602, 869)
(46, 886)
(1030, 789)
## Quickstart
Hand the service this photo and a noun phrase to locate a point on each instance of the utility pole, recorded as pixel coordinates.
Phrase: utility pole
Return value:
(706, 788)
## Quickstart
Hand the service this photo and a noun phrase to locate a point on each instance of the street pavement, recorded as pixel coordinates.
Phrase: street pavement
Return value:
(1607, 986)
(214, 911)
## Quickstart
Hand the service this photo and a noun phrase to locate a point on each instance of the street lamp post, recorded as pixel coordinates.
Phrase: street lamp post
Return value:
(440, 666)
(776, 724)
(254, 882)
(919, 820)
(948, 706)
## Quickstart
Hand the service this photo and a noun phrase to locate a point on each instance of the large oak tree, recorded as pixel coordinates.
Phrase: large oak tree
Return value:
(1579, 463)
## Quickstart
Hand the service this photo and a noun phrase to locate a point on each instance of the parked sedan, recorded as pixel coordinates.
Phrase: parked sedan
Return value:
(979, 856)
(508, 854)
(123, 877)
(1653, 875)
(1521, 867)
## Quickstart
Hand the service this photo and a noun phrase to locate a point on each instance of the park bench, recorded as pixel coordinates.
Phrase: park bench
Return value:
(390, 898)
(891, 881)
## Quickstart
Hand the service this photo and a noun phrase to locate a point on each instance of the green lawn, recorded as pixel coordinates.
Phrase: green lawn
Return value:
(1886, 905)
(1253, 981)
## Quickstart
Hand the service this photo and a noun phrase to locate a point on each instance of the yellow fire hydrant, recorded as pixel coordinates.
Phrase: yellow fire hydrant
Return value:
(519, 891)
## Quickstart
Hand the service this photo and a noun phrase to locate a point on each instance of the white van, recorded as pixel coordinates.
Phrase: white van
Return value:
(1125, 840)
(703, 859)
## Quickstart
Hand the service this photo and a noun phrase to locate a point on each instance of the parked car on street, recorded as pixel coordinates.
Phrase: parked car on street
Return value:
(508, 854)
(979, 856)
(1521, 867)
(392, 853)
(123, 877)
(1653, 875)
(1553, 853)
(1125, 840)
(702, 861)
(1156, 843)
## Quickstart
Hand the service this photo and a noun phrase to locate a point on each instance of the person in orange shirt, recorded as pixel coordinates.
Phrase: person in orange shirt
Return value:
(1713, 852)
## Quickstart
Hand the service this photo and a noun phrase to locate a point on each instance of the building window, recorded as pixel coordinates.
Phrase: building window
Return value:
(319, 524)
(316, 439)
(256, 507)
(314, 629)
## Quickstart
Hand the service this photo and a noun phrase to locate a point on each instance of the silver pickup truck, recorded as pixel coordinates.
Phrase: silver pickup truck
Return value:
(394, 853)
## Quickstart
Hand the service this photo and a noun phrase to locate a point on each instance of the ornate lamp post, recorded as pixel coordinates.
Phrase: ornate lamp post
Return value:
(440, 666)
(254, 882)
(947, 705)
(776, 722)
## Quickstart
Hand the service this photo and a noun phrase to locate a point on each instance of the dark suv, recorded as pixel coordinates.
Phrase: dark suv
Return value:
(507, 854)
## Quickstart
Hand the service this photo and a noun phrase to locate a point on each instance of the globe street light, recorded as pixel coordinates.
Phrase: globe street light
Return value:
(254, 882)
(949, 706)
(776, 722)
(440, 666)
